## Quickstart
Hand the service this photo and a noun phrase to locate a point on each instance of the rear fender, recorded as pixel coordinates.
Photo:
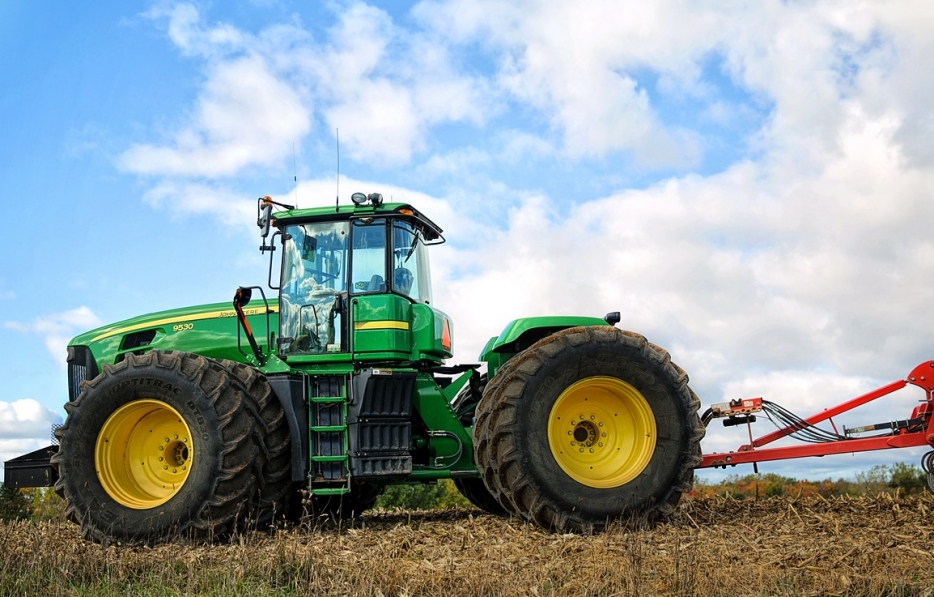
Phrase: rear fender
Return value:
(522, 333)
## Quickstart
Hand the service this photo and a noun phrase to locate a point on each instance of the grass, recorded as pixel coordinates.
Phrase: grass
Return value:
(714, 546)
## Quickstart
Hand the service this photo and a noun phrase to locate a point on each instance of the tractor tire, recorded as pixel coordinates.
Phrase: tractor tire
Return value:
(465, 405)
(157, 447)
(477, 494)
(482, 441)
(275, 464)
(586, 426)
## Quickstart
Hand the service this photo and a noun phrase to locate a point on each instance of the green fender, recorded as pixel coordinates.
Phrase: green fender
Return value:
(519, 334)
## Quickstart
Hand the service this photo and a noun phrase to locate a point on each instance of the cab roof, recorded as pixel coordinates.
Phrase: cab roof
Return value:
(430, 230)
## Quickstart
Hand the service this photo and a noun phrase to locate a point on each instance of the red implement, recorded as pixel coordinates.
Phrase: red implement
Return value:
(918, 430)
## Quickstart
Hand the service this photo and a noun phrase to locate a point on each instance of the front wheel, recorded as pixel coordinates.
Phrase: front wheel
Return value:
(158, 446)
(588, 425)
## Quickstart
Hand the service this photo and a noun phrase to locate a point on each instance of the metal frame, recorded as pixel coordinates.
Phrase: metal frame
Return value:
(753, 452)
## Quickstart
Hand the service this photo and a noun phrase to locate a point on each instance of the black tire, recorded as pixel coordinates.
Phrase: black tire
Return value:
(482, 439)
(157, 391)
(465, 403)
(476, 492)
(529, 433)
(275, 464)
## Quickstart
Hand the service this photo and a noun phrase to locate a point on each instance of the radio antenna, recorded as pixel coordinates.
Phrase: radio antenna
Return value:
(337, 198)
(295, 173)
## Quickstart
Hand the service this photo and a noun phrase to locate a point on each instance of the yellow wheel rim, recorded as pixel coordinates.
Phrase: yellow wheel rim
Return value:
(601, 432)
(143, 454)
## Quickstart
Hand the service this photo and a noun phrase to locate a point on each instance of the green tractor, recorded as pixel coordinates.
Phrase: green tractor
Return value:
(202, 421)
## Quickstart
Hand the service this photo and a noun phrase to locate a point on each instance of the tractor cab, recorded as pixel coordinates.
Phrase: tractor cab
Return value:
(355, 281)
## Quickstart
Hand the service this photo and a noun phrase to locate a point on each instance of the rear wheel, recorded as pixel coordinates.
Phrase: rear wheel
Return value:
(157, 446)
(475, 490)
(588, 425)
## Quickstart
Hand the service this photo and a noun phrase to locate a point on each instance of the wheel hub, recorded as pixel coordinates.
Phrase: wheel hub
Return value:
(601, 432)
(143, 454)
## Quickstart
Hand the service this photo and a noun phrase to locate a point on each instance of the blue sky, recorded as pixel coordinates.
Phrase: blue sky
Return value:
(749, 184)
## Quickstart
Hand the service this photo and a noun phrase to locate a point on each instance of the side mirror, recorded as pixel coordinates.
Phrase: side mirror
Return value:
(242, 296)
(264, 215)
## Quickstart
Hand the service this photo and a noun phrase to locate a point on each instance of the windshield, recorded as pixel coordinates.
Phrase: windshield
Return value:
(314, 269)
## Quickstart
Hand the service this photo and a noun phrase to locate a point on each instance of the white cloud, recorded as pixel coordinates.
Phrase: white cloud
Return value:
(245, 116)
(380, 87)
(57, 329)
(384, 87)
(26, 418)
(800, 269)
(228, 206)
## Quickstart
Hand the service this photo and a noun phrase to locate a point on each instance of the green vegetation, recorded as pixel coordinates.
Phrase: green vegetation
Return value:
(901, 479)
(14, 505)
(442, 494)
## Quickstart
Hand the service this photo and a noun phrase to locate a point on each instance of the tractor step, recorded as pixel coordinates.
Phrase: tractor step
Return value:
(335, 458)
(328, 429)
(330, 490)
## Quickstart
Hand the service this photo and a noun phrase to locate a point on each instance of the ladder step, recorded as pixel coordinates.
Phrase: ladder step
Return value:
(339, 458)
(330, 490)
(327, 399)
(327, 428)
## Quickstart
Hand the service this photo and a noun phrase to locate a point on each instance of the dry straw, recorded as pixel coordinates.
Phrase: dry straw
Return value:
(712, 546)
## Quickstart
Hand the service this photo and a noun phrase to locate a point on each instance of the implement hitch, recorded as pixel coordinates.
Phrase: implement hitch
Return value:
(916, 430)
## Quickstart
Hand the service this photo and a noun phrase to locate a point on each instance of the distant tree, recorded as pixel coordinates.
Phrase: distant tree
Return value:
(14, 504)
(873, 481)
(907, 478)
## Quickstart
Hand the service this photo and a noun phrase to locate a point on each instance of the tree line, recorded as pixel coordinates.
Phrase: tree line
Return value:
(901, 479)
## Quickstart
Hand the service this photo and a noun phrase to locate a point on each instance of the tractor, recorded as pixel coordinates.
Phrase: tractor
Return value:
(204, 421)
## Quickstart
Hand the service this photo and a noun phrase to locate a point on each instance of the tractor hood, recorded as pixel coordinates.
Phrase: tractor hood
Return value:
(210, 330)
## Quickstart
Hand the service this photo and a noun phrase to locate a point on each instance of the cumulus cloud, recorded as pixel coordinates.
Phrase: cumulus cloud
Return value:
(381, 87)
(245, 116)
(26, 418)
(800, 268)
(58, 328)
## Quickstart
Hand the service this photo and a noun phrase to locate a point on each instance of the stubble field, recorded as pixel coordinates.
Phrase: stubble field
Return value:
(714, 546)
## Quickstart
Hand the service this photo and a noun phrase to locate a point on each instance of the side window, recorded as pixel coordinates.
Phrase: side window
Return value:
(409, 263)
(368, 269)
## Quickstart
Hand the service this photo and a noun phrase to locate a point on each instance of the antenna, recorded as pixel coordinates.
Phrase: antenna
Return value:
(295, 173)
(337, 198)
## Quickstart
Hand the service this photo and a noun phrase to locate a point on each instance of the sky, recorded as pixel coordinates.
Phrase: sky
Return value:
(748, 183)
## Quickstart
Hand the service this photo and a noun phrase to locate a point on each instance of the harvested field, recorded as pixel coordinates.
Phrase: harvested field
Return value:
(714, 546)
